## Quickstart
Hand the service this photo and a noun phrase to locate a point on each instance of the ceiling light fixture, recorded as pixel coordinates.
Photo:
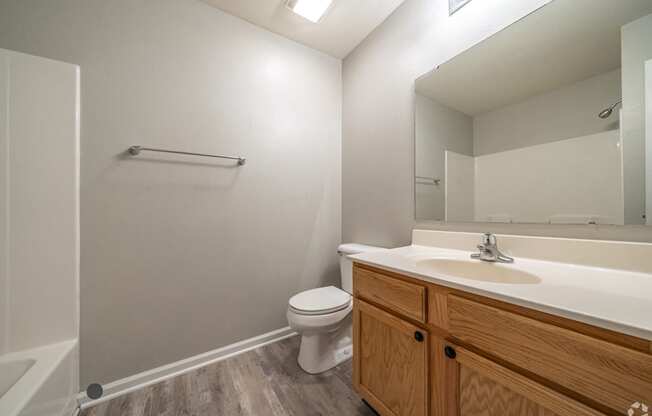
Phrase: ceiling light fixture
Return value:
(312, 10)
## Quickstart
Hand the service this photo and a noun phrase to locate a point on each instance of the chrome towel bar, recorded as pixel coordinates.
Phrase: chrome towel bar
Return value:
(135, 151)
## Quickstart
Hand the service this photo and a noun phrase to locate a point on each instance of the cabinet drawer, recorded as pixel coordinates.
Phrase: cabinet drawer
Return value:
(604, 374)
(403, 297)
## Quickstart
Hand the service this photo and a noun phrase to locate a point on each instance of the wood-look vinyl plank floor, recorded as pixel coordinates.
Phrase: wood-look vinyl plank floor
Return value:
(266, 381)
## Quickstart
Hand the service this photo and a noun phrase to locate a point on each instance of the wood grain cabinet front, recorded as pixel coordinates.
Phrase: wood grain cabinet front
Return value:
(390, 362)
(406, 298)
(485, 388)
(468, 355)
(608, 375)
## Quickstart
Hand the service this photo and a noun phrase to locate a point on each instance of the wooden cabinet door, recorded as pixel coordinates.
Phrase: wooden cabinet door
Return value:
(485, 388)
(609, 375)
(390, 362)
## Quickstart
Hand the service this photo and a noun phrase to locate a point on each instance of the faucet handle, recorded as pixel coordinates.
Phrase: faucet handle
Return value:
(488, 239)
(489, 250)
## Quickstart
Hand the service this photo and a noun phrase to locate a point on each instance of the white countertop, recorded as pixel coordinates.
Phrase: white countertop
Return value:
(608, 298)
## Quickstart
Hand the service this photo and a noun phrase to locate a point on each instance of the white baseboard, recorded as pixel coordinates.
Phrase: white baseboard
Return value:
(156, 375)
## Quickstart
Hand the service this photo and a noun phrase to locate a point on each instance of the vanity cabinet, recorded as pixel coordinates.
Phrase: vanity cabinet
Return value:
(480, 356)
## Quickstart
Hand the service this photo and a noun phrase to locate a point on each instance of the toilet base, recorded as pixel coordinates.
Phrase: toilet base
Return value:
(320, 352)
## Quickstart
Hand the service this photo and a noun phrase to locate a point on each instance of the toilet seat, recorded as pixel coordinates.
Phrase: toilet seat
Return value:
(320, 301)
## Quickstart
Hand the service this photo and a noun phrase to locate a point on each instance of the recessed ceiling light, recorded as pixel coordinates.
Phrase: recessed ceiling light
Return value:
(312, 10)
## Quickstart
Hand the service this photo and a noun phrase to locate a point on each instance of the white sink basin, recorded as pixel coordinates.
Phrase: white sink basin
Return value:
(478, 270)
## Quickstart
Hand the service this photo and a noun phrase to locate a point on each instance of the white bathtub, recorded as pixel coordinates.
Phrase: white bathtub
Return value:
(39, 382)
(11, 372)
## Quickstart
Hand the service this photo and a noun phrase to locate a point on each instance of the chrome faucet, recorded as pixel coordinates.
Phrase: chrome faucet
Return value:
(489, 251)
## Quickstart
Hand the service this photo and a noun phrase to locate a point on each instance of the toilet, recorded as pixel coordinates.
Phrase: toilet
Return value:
(323, 318)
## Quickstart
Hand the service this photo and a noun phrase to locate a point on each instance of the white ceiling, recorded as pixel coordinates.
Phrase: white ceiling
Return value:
(344, 26)
(564, 42)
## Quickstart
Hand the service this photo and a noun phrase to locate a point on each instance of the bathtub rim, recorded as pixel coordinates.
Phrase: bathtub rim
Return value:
(48, 358)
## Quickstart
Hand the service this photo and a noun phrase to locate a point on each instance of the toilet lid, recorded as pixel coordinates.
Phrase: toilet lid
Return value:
(320, 301)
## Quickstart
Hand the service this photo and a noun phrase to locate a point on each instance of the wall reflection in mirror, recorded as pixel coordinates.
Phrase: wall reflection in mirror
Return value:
(544, 122)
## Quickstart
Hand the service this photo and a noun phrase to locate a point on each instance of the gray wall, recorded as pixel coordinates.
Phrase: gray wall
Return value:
(378, 120)
(567, 112)
(182, 255)
(437, 128)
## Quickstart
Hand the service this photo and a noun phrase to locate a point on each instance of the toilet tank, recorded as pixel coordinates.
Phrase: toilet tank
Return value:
(346, 265)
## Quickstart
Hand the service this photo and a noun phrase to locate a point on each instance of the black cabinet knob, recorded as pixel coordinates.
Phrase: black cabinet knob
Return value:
(418, 336)
(450, 352)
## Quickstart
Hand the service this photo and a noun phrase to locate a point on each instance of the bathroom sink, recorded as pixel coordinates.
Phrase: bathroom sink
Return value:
(478, 270)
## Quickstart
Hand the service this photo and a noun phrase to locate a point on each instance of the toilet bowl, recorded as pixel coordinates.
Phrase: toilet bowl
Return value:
(323, 318)
(324, 325)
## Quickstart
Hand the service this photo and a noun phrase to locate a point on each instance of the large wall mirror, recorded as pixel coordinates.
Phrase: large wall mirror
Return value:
(544, 122)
